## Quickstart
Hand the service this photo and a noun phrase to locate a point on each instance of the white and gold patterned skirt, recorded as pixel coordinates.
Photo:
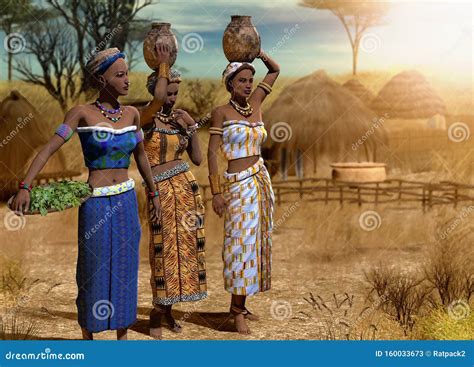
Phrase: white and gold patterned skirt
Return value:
(247, 230)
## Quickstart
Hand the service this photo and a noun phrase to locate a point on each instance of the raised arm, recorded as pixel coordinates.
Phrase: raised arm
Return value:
(215, 140)
(159, 95)
(21, 203)
(264, 87)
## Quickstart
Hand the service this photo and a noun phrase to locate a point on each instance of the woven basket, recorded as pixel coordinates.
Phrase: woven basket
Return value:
(359, 172)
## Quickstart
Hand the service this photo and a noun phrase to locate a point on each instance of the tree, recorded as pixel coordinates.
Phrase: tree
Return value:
(356, 17)
(14, 15)
(53, 47)
(99, 24)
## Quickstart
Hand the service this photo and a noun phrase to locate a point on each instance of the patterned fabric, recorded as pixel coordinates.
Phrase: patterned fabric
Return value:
(105, 147)
(107, 265)
(64, 131)
(164, 145)
(177, 253)
(114, 189)
(248, 226)
(242, 138)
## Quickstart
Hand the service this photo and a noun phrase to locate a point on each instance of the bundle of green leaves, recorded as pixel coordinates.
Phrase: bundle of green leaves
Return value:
(56, 196)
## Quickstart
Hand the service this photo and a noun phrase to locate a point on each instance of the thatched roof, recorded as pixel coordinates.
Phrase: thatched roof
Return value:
(409, 96)
(23, 132)
(323, 116)
(358, 89)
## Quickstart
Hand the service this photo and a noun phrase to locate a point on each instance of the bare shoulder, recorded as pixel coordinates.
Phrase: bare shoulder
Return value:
(218, 116)
(75, 114)
(133, 111)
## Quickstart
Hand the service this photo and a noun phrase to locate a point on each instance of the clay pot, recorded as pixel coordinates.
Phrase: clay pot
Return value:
(359, 172)
(160, 32)
(241, 41)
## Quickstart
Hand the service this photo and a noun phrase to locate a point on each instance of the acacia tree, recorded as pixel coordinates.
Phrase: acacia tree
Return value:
(12, 16)
(53, 47)
(356, 17)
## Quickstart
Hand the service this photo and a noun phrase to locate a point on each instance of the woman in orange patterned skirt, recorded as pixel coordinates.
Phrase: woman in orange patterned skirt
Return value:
(177, 256)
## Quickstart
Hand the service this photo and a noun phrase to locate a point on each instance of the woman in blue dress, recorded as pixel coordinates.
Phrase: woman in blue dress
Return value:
(109, 228)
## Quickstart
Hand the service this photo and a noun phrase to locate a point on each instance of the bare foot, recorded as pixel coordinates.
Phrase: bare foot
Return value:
(122, 334)
(241, 324)
(87, 335)
(251, 317)
(174, 326)
(155, 333)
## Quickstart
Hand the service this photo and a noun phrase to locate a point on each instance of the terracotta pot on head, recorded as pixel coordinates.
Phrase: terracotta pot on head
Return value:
(241, 41)
(160, 32)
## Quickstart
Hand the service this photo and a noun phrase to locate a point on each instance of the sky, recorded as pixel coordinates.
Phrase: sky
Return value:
(435, 36)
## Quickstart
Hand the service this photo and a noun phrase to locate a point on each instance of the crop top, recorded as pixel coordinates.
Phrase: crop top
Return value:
(241, 138)
(105, 147)
(164, 145)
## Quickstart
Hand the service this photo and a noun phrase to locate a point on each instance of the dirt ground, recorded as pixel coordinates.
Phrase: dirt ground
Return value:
(317, 248)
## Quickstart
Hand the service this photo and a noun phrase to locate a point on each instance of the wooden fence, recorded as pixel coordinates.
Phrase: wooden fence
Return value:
(427, 194)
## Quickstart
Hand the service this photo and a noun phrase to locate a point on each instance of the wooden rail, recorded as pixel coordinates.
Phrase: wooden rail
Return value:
(326, 190)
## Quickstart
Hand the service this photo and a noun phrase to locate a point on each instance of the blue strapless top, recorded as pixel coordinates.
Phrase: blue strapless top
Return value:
(105, 147)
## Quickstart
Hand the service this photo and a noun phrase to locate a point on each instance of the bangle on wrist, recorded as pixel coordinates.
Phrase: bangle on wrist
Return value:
(152, 194)
(25, 186)
(214, 181)
(164, 71)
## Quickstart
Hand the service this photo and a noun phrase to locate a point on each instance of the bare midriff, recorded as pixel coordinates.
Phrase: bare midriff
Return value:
(107, 176)
(240, 164)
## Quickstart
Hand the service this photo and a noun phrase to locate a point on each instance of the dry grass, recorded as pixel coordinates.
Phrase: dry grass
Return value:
(316, 248)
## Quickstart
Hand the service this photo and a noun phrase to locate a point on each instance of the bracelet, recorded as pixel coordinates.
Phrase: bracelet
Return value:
(153, 194)
(164, 71)
(25, 186)
(214, 180)
(191, 130)
(216, 131)
(266, 87)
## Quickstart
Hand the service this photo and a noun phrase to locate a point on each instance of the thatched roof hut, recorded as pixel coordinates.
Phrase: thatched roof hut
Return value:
(408, 96)
(323, 119)
(359, 90)
(23, 132)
